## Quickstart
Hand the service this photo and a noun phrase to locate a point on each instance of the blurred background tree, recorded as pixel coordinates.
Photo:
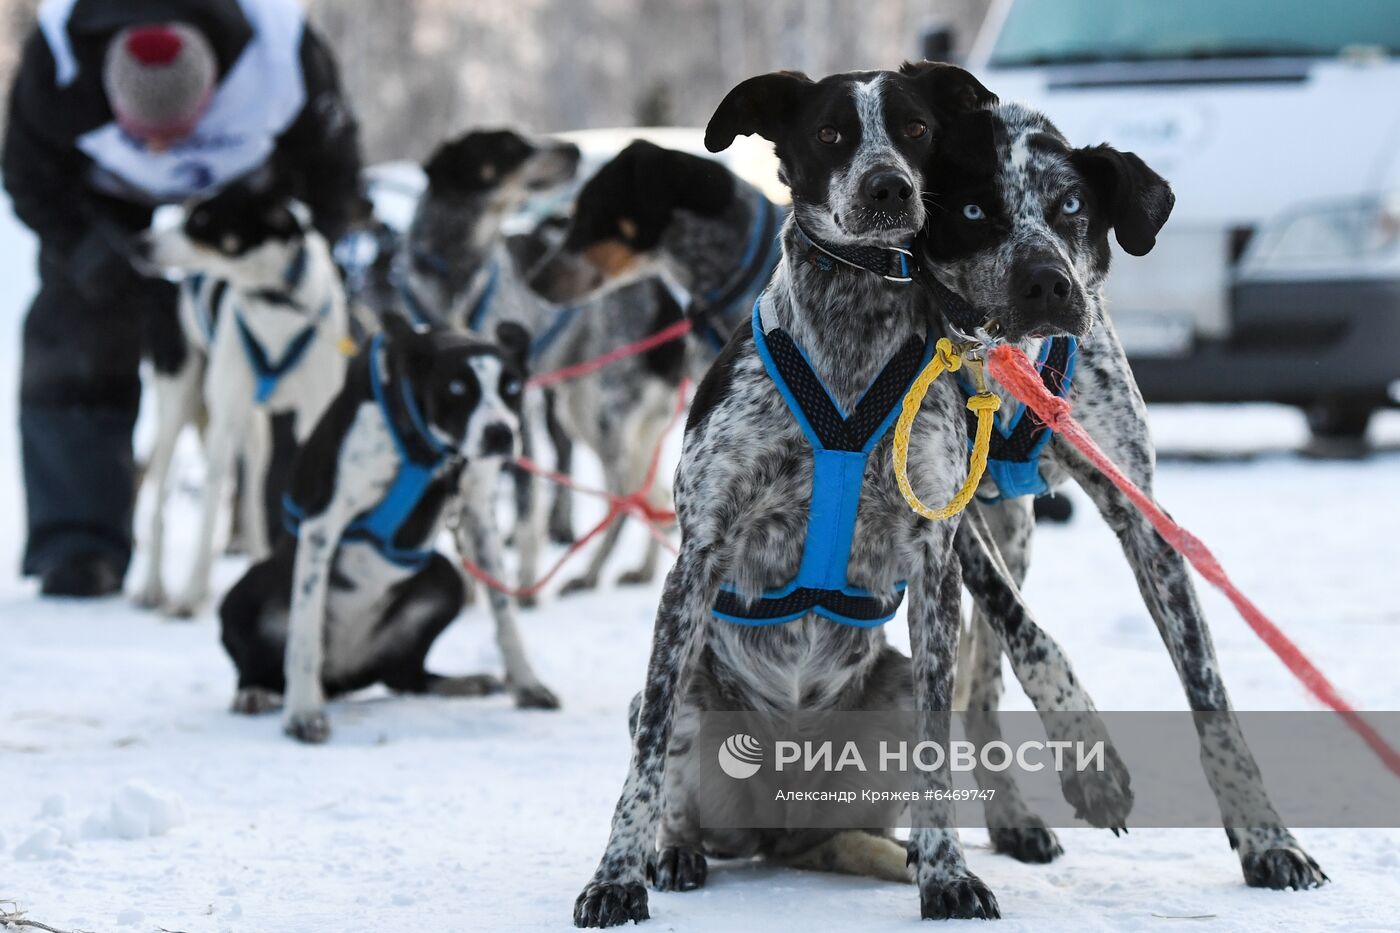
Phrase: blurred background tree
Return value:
(418, 70)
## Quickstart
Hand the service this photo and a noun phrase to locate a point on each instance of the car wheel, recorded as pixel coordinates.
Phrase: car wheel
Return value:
(1340, 419)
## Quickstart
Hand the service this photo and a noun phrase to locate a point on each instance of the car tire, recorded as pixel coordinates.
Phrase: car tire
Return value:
(1340, 420)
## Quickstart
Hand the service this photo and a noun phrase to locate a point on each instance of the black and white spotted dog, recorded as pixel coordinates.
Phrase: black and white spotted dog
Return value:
(457, 246)
(655, 211)
(1019, 229)
(760, 611)
(263, 314)
(357, 595)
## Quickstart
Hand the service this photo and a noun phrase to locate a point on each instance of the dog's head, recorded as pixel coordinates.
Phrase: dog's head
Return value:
(251, 238)
(468, 390)
(623, 215)
(1020, 220)
(499, 167)
(475, 182)
(851, 147)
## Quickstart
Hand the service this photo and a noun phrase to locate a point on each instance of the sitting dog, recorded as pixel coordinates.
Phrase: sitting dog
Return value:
(654, 211)
(457, 247)
(263, 314)
(357, 595)
(1021, 235)
(776, 604)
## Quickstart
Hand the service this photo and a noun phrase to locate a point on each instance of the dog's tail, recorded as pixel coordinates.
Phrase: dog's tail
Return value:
(855, 852)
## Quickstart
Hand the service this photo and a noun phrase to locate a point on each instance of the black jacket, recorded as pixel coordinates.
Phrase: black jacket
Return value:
(317, 159)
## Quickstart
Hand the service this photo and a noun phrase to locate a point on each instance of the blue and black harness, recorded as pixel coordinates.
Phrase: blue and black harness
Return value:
(419, 313)
(1013, 459)
(841, 445)
(714, 310)
(268, 373)
(421, 455)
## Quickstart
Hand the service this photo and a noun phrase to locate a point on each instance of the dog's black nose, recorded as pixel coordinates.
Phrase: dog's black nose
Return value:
(497, 439)
(886, 190)
(1042, 289)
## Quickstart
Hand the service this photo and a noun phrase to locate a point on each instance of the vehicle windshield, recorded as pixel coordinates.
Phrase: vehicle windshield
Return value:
(1056, 32)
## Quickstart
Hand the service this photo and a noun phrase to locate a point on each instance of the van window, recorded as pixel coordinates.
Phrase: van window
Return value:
(1052, 32)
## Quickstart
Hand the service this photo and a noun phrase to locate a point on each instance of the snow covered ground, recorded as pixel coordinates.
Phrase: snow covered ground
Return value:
(130, 799)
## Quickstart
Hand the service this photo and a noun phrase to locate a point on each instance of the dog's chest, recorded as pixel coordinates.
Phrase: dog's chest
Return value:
(746, 483)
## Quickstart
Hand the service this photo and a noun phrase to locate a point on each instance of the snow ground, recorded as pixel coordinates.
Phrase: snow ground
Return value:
(131, 800)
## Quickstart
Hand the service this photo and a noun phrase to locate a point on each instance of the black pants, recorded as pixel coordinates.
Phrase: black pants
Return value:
(79, 391)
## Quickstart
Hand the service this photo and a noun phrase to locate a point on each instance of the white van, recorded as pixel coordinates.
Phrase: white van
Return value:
(1278, 124)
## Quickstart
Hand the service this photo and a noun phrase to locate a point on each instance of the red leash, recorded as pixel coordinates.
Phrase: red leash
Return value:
(675, 332)
(1012, 369)
(634, 504)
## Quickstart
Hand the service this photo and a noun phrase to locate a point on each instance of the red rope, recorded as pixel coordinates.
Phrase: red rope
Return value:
(1011, 368)
(634, 504)
(675, 332)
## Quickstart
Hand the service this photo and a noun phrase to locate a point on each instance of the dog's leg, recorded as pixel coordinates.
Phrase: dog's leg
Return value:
(177, 398)
(226, 428)
(947, 889)
(531, 517)
(478, 522)
(649, 436)
(617, 892)
(588, 580)
(304, 713)
(1001, 619)
(680, 859)
(1269, 854)
(561, 512)
(257, 460)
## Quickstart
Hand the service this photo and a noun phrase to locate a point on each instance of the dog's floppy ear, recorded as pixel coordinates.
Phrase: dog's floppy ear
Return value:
(698, 184)
(948, 89)
(515, 343)
(761, 105)
(1136, 200)
(409, 342)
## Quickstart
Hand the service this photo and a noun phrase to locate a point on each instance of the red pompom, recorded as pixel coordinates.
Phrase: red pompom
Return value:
(154, 45)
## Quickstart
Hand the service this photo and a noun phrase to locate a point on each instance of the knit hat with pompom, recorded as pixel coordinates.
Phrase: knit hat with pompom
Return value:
(159, 79)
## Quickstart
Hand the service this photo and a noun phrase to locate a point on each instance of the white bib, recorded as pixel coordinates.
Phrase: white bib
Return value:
(256, 102)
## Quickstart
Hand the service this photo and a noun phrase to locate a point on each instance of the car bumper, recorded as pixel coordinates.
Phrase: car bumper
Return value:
(1293, 342)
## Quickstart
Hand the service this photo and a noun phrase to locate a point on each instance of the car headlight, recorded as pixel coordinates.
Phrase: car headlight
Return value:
(1328, 237)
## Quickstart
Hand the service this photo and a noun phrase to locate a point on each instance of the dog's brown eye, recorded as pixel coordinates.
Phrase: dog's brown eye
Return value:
(829, 135)
(915, 129)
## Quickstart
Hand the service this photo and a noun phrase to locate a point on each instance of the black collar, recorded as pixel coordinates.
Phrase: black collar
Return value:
(892, 263)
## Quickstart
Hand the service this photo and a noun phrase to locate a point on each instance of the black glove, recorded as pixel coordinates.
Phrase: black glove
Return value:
(100, 266)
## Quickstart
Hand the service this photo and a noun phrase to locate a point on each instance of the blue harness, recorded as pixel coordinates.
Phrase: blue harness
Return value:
(419, 312)
(762, 252)
(1013, 459)
(267, 372)
(841, 445)
(380, 525)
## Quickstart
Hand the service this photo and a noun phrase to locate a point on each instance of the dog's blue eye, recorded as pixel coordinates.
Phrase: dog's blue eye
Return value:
(974, 212)
(457, 387)
(511, 388)
(1071, 206)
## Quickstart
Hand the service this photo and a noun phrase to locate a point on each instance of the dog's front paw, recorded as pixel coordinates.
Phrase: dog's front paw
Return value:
(1281, 868)
(184, 607)
(253, 701)
(679, 868)
(534, 696)
(150, 597)
(1101, 798)
(637, 577)
(962, 897)
(609, 905)
(311, 726)
(1033, 842)
(579, 585)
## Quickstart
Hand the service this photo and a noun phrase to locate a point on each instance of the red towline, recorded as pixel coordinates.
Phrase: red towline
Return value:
(1011, 368)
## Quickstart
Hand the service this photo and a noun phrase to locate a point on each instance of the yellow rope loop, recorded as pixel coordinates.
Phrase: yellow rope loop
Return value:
(984, 404)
